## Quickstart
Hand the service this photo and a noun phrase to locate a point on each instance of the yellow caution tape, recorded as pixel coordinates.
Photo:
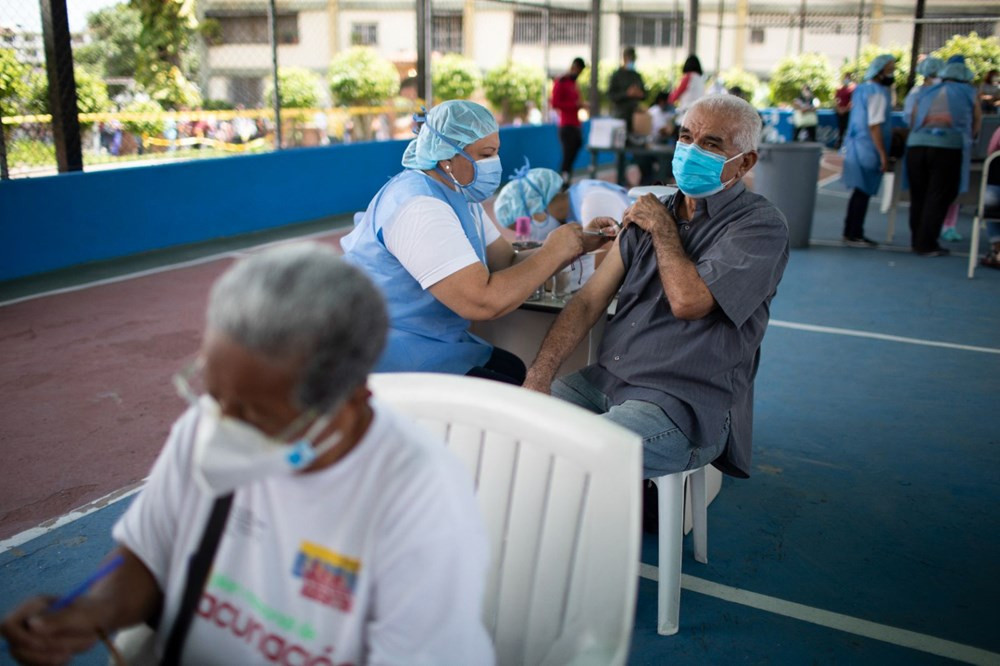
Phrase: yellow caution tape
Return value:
(188, 116)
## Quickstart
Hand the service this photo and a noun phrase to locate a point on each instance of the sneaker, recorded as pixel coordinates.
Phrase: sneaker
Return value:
(936, 252)
(859, 241)
(950, 234)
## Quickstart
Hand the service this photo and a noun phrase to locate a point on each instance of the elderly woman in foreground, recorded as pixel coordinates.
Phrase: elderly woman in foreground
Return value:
(342, 535)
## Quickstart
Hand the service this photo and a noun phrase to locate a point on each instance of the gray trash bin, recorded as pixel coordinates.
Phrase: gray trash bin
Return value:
(786, 174)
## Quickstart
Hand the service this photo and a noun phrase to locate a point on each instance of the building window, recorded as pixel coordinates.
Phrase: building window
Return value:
(253, 29)
(364, 34)
(446, 33)
(564, 27)
(756, 35)
(652, 29)
(246, 91)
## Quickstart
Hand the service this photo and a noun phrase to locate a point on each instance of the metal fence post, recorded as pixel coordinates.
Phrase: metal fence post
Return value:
(4, 173)
(272, 35)
(62, 85)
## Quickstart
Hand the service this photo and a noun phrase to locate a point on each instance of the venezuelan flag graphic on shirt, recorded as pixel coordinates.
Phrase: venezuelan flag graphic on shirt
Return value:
(327, 576)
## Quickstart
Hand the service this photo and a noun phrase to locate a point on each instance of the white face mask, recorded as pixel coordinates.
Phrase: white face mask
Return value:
(229, 453)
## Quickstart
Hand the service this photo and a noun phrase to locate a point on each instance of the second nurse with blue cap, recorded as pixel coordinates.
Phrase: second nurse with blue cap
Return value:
(440, 261)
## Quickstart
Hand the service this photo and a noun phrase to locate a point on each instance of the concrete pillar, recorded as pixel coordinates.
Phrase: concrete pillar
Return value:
(469, 29)
(742, 28)
(333, 26)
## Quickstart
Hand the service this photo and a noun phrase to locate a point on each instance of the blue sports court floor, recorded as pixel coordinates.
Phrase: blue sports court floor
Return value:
(869, 532)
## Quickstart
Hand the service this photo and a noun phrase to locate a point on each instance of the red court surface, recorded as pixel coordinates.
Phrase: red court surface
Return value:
(85, 384)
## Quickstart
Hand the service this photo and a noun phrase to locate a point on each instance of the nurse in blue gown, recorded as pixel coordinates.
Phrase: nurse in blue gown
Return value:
(437, 257)
(866, 145)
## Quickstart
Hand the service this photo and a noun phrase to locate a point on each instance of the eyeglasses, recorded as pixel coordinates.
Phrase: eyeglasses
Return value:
(190, 386)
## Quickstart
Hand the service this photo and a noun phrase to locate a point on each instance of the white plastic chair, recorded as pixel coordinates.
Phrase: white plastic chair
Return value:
(559, 489)
(670, 504)
(980, 218)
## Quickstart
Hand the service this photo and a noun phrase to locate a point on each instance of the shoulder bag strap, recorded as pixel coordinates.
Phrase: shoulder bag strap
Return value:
(197, 575)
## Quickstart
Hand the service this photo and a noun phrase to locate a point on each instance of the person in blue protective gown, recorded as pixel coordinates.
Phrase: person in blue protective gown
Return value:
(943, 120)
(441, 263)
(539, 195)
(866, 154)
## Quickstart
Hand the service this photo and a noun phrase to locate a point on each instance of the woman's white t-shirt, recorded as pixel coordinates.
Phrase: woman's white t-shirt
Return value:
(426, 237)
(378, 559)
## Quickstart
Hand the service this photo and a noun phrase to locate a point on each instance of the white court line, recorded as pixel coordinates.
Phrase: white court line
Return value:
(838, 621)
(230, 254)
(880, 336)
(823, 182)
(72, 516)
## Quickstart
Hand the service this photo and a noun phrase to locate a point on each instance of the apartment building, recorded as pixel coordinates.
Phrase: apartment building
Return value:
(750, 34)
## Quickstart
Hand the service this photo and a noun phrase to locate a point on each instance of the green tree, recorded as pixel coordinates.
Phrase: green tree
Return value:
(812, 69)
(14, 90)
(113, 48)
(510, 86)
(149, 125)
(981, 53)
(860, 66)
(657, 79)
(91, 93)
(360, 77)
(165, 61)
(454, 77)
(605, 69)
(737, 78)
(298, 88)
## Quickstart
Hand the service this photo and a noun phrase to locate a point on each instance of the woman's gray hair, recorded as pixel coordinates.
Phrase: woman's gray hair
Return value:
(303, 304)
(746, 123)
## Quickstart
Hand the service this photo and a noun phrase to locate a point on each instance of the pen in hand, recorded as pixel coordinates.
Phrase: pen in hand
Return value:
(81, 589)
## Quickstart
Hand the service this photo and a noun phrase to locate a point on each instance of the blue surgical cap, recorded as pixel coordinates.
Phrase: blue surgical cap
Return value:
(930, 66)
(536, 188)
(957, 71)
(958, 57)
(877, 65)
(457, 121)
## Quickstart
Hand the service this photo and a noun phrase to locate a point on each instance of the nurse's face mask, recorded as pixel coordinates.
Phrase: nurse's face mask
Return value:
(229, 453)
(486, 173)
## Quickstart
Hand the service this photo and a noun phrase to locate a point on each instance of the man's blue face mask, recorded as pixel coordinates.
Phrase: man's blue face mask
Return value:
(699, 172)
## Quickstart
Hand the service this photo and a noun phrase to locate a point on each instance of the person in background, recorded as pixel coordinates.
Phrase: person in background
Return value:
(694, 276)
(989, 93)
(440, 261)
(540, 195)
(928, 67)
(842, 105)
(866, 155)
(662, 113)
(566, 100)
(943, 121)
(690, 89)
(626, 89)
(336, 513)
(805, 118)
(991, 203)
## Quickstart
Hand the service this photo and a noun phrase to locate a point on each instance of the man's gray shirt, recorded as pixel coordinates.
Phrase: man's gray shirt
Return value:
(698, 371)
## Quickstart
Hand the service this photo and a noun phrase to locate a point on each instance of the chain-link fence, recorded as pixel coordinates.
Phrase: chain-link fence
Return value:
(202, 83)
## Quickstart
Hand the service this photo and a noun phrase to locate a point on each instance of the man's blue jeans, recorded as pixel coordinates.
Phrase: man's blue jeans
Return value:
(665, 449)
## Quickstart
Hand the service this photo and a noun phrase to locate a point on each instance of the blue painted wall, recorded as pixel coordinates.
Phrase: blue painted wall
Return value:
(59, 221)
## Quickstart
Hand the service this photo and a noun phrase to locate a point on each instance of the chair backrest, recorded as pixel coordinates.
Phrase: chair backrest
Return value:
(981, 211)
(559, 489)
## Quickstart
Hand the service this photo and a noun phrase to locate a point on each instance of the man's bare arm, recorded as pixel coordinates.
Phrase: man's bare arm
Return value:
(578, 317)
(686, 291)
